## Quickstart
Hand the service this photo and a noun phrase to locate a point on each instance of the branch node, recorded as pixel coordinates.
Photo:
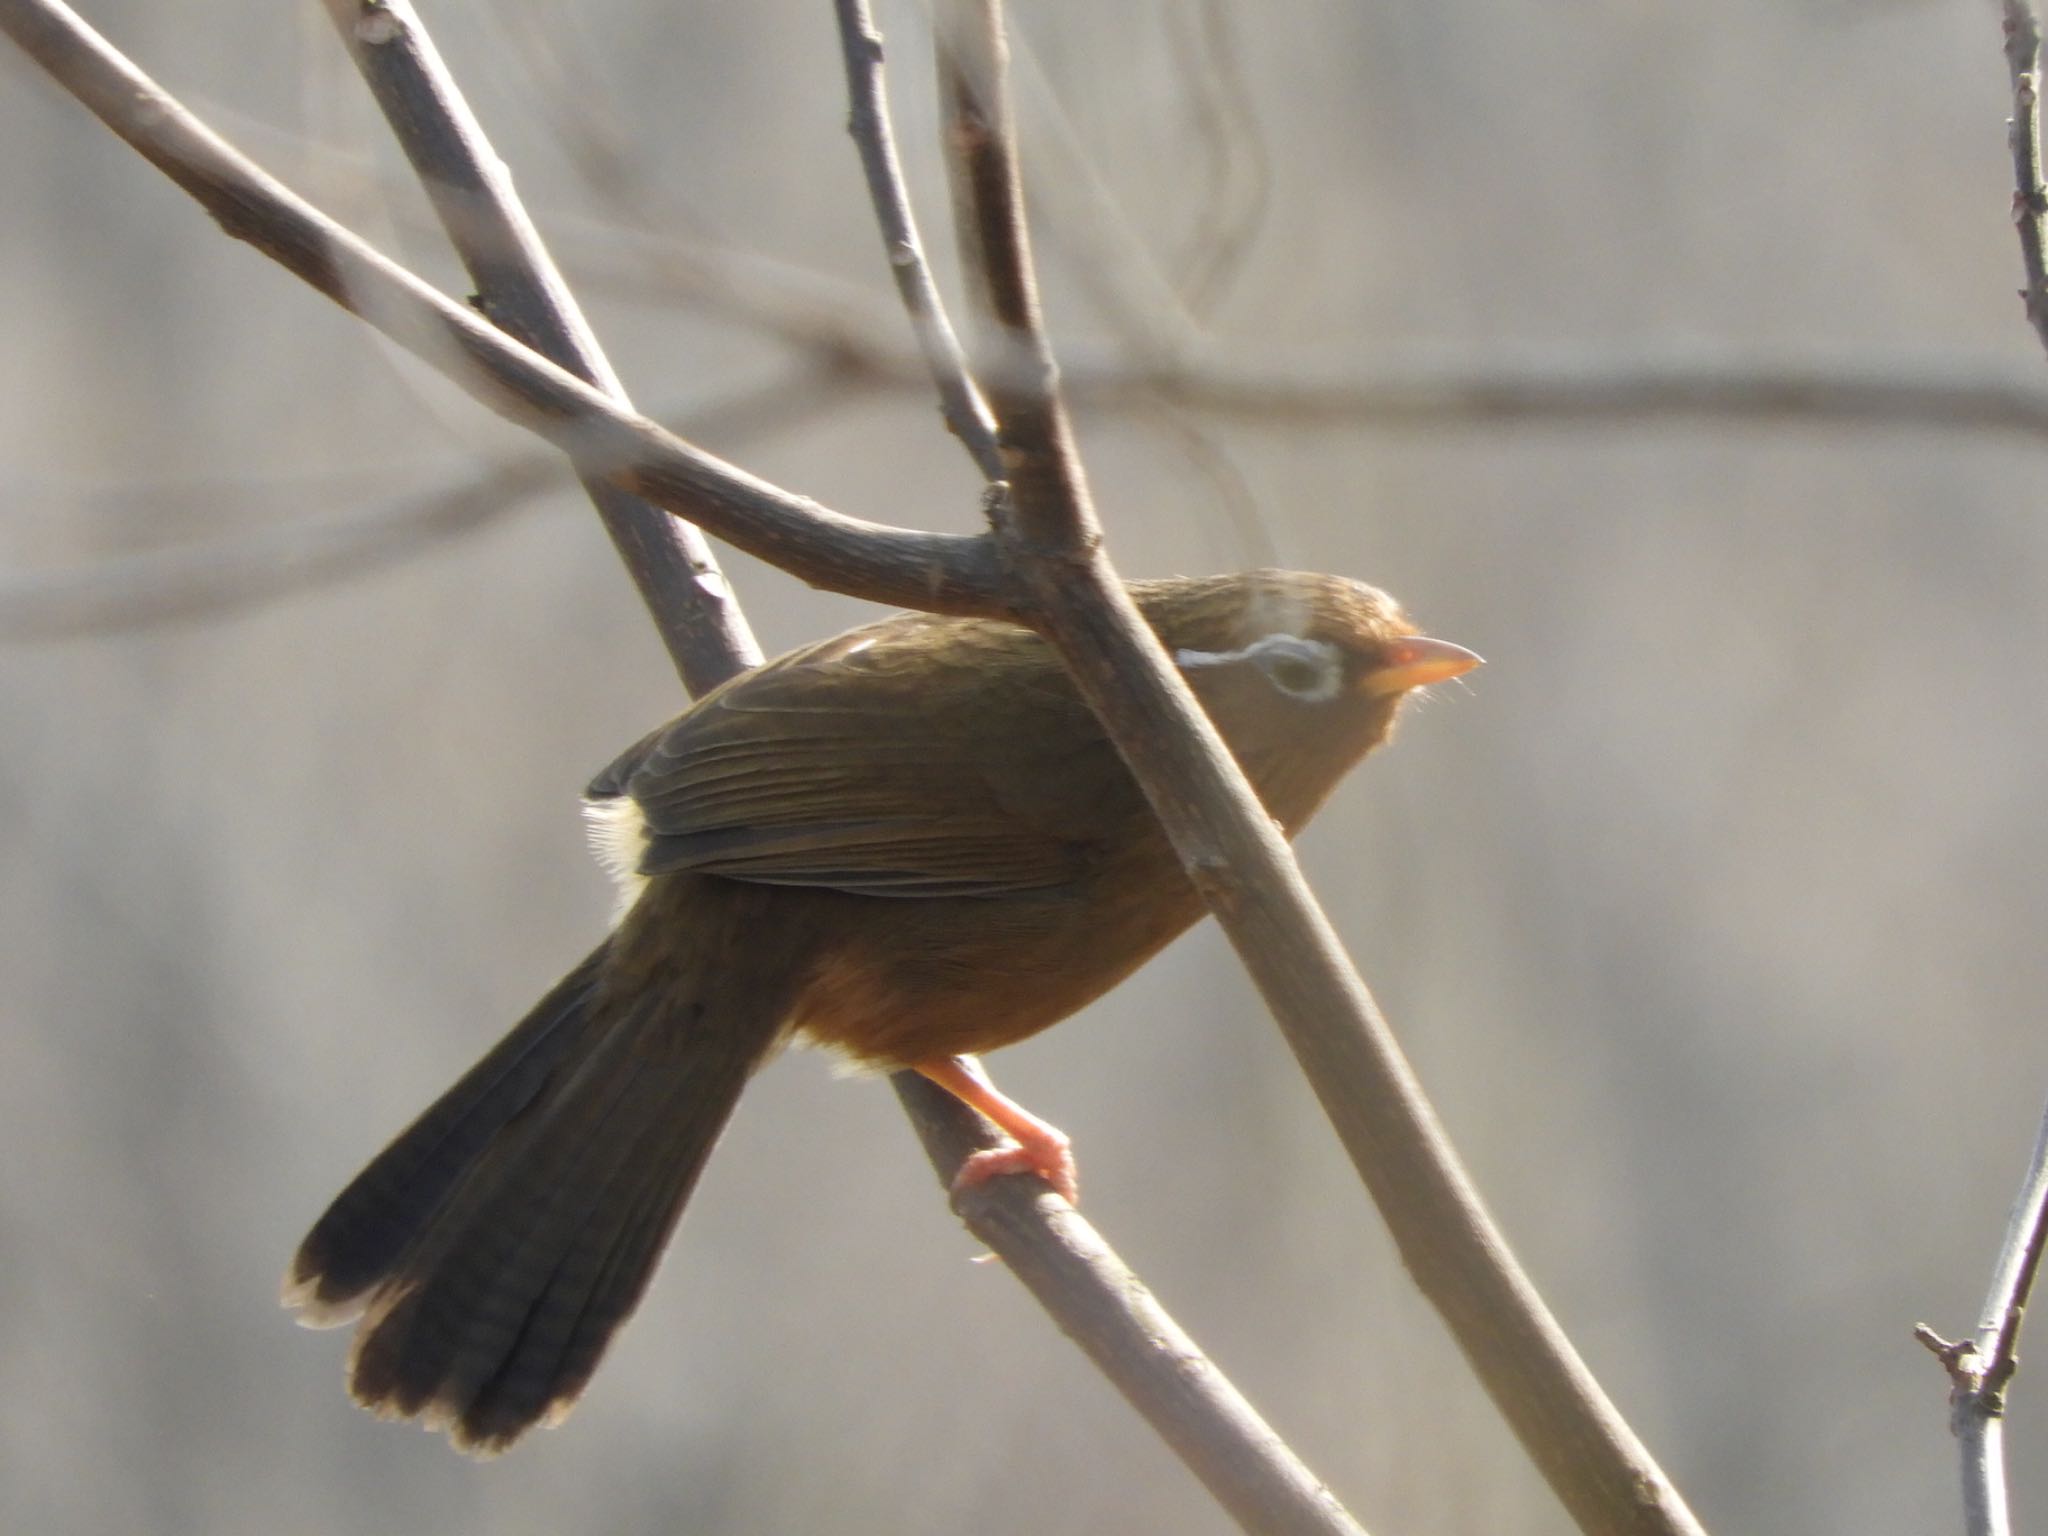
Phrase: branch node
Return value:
(1952, 1353)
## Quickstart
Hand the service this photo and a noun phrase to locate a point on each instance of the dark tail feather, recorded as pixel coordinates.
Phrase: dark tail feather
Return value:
(495, 1317)
(359, 1240)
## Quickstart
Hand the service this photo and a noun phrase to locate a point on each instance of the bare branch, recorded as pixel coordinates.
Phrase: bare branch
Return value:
(1104, 1308)
(1091, 1293)
(1242, 866)
(2029, 199)
(1059, 1257)
(520, 291)
(966, 413)
(940, 572)
(1981, 1366)
(1049, 510)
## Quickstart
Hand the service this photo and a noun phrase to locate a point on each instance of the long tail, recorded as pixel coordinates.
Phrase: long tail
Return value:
(494, 1249)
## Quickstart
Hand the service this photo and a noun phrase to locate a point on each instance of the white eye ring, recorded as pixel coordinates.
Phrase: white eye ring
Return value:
(1308, 670)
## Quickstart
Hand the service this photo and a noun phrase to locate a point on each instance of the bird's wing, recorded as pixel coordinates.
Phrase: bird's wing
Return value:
(868, 764)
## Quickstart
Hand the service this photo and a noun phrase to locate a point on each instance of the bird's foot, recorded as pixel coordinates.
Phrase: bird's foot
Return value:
(1050, 1156)
(1036, 1146)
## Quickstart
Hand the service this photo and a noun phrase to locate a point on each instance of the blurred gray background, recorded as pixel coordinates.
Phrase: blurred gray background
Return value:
(1712, 911)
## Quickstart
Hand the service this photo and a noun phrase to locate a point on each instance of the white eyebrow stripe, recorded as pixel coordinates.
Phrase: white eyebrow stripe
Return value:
(1211, 658)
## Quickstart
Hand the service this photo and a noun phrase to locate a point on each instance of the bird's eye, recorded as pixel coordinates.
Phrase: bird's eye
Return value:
(1307, 670)
(1293, 674)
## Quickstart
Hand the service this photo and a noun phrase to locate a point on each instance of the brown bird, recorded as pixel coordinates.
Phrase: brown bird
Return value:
(911, 842)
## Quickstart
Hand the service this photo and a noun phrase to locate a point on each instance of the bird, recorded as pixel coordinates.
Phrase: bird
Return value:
(912, 843)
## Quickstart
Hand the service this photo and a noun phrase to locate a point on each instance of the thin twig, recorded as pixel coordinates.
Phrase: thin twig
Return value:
(1982, 1366)
(945, 573)
(966, 413)
(248, 570)
(520, 290)
(1603, 1475)
(2029, 199)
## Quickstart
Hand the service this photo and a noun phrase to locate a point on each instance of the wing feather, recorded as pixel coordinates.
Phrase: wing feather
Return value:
(866, 764)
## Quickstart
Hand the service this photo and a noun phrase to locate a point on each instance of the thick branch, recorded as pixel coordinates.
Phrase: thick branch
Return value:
(1049, 514)
(941, 572)
(1058, 1256)
(1593, 1461)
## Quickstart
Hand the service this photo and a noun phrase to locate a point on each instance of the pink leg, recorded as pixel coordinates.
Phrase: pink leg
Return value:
(1039, 1148)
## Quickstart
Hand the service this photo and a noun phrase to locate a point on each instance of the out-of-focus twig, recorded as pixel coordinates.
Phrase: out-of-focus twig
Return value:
(1240, 172)
(1542, 386)
(260, 566)
(1930, 392)
(1537, 385)
(250, 569)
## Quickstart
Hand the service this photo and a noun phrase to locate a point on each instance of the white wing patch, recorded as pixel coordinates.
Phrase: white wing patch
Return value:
(618, 841)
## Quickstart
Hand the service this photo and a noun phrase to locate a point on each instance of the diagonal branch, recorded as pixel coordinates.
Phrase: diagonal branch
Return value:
(1062, 1260)
(520, 290)
(1075, 1273)
(1046, 527)
(1595, 1464)
(947, 573)
(1108, 1312)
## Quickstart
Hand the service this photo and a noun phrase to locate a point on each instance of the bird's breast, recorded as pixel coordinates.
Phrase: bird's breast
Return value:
(900, 982)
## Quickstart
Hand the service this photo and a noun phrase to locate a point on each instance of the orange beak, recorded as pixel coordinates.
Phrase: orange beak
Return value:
(1417, 662)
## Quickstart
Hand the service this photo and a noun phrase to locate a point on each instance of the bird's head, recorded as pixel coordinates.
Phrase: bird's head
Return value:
(1302, 673)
